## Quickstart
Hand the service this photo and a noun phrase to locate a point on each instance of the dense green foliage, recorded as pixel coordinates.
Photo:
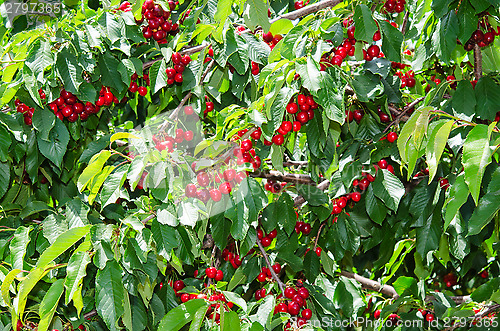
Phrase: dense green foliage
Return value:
(329, 150)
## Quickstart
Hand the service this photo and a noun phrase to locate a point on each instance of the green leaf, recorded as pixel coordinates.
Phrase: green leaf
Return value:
(199, 318)
(158, 76)
(49, 304)
(278, 105)
(281, 26)
(165, 238)
(7, 283)
(441, 7)
(348, 296)
(230, 320)
(436, 143)
(476, 156)
(181, 315)
(4, 178)
(488, 207)
(34, 207)
(311, 265)
(445, 36)
(392, 40)
(264, 312)
(459, 193)
(112, 186)
(379, 66)
(309, 73)
(18, 246)
(277, 157)
(330, 97)
(43, 121)
(75, 272)
(110, 76)
(464, 100)
(428, 236)
(313, 195)
(76, 213)
(39, 57)
(488, 98)
(94, 167)
(5, 142)
(365, 24)
(388, 188)
(467, 21)
(69, 71)
(61, 244)
(109, 294)
(223, 10)
(374, 207)
(255, 14)
(55, 146)
(484, 292)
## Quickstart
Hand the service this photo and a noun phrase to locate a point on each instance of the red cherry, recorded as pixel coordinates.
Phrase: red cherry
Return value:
(293, 308)
(186, 59)
(296, 126)
(176, 58)
(277, 267)
(429, 317)
(211, 272)
(306, 228)
(301, 99)
(215, 194)
(444, 183)
(318, 251)
(188, 135)
(246, 145)
(292, 108)
(303, 292)
(373, 51)
(273, 234)
(178, 285)
(225, 188)
(302, 117)
(392, 137)
(219, 276)
(261, 277)
(266, 241)
(191, 190)
(185, 297)
(306, 314)
(278, 139)
(377, 36)
(282, 307)
(203, 179)
(142, 90)
(350, 32)
(382, 164)
(376, 314)
(178, 78)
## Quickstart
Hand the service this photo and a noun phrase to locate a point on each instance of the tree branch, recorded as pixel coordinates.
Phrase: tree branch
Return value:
(300, 200)
(273, 274)
(402, 113)
(371, 284)
(478, 62)
(287, 177)
(405, 22)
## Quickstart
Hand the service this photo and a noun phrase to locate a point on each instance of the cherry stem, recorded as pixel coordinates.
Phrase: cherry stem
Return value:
(273, 274)
(317, 236)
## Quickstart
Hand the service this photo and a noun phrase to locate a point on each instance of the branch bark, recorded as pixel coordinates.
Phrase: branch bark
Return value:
(286, 177)
(273, 274)
(478, 62)
(372, 284)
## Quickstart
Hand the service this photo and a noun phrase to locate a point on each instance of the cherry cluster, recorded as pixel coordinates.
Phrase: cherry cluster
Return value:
(407, 79)
(265, 274)
(246, 152)
(270, 39)
(354, 115)
(158, 24)
(294, 303)
(25, 110)
(482, 39)
(232, 258)
(303, 109)
(450, 279)
(338, 54)
(213, 273)
(210, 55)
(363, 184)
(393, 6)
(226, 183)
(302, 227)
(273, 186)
(174, 74)
(69, 107)
(266, 240)
(318, 250)
(427, 315)
(134, 87)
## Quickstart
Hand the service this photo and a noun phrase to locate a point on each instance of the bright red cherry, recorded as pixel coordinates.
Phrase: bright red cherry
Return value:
(382, 164)
(211, 272)
(219, 275)
(306, 314)
(178, 285)
(392, 137)
(215, 194)
(266, 241)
